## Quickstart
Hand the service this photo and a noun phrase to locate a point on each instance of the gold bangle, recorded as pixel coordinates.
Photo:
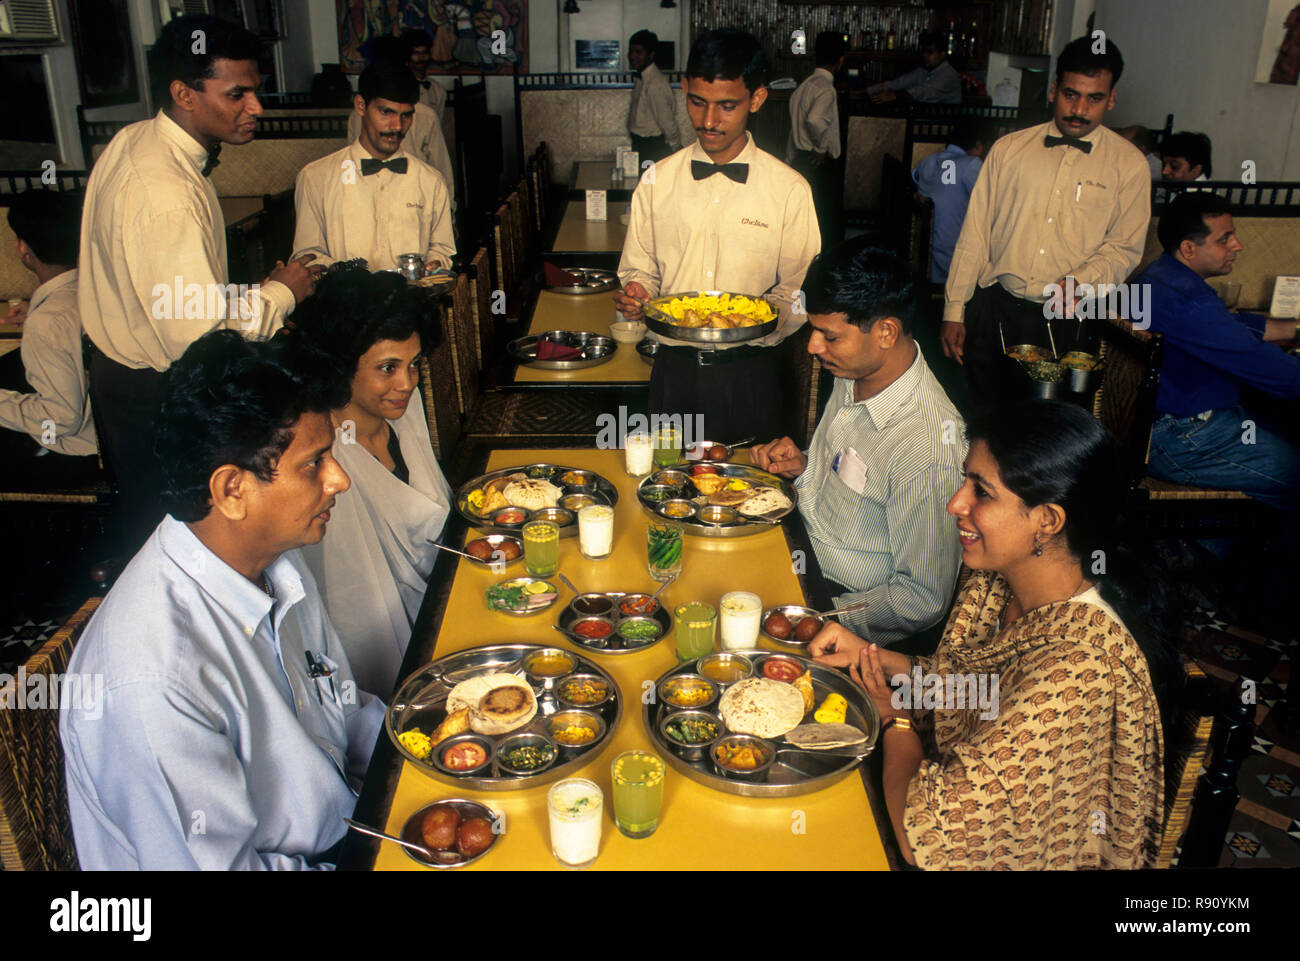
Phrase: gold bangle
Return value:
(902, 723)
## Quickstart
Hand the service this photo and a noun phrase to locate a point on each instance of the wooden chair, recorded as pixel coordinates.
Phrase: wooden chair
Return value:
(1126, 405)
(502, 253)
(518, 247)
(479, 273)
(441, 404)
(458, 325)
(35, 827)
(1187, 750)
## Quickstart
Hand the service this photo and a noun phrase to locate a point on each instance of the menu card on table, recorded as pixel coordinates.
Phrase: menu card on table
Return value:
(596, 205)
(1286, 299)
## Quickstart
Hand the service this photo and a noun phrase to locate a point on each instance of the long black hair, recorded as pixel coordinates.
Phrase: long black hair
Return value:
(1050, 452)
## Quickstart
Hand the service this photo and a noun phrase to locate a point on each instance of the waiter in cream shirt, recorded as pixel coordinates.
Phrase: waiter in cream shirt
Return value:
(153, 247)
(371, 199)
(425, 138)
(721, 215)
(651, 113)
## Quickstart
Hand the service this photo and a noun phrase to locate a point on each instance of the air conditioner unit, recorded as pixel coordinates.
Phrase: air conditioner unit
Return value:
(28, 20)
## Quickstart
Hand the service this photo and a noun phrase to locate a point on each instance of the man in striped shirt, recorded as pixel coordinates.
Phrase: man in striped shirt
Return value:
(886, 457)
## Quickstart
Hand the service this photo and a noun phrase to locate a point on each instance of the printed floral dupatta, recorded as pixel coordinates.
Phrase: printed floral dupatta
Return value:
(1069, 773)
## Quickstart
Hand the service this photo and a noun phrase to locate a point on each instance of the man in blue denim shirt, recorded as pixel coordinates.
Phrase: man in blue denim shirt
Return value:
(230, 733)
(1202, 435)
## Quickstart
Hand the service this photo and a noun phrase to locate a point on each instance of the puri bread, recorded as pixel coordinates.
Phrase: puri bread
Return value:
(725, 498)
(504, 708)
(762, 707)
(467, 694)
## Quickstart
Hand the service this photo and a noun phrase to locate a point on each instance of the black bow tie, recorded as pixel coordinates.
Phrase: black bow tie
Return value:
(369, 165)
(737, 172)
(425, 84)
(212, 160)
(1075, 142)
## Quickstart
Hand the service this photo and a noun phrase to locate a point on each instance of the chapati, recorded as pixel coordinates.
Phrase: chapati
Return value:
(764, 500)
(762, 707)
(821, 737)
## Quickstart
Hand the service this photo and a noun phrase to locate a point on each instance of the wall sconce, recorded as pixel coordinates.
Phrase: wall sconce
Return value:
(571, 6)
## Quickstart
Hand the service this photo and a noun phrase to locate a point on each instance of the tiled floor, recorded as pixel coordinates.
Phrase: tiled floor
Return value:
(1265, 829)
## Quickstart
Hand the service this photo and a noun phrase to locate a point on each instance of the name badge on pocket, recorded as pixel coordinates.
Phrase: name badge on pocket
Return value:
(852, 470)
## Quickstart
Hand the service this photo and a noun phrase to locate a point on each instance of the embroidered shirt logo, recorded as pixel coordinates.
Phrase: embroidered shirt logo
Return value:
(749, 222)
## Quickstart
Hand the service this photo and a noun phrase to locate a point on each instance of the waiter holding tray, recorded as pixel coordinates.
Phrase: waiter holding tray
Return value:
(720, 215)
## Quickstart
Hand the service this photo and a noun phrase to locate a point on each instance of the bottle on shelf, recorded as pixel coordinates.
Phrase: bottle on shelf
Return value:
(950, 35)
(972, 42)
(891, 39)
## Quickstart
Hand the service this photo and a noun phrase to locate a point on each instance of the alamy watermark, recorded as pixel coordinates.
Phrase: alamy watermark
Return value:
(38, 692)
(946, 692)
(1131, 302)
(612, 429)
(181, 301)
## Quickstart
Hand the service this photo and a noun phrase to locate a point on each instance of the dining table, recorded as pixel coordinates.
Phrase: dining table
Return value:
(590, 312)
(841, 826)
(600, 175)
(578, 235)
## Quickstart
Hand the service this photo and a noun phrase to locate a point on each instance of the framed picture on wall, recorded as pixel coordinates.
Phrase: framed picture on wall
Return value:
(101, 37)
(1279, 48)
(469, 36)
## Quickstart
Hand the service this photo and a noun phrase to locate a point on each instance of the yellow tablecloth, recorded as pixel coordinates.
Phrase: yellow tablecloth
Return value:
(699, 827)
(578, 234)
(593, 312)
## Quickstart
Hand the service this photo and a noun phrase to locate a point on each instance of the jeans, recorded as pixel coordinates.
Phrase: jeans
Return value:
(1214, 453)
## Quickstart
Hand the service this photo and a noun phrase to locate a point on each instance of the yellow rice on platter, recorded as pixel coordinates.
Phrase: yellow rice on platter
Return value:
(718, 310)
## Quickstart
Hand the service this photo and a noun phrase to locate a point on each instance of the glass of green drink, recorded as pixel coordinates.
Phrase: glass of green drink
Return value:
(668, 446)
(638, 778)
(695, 625)
(664, 549)
(541, 548)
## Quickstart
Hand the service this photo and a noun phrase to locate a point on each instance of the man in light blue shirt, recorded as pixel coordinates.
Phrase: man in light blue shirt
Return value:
(231, 734)
(946, 179)
(886, 457)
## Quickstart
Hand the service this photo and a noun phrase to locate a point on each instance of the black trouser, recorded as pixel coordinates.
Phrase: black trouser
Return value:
(993, 377)
(827, 183)
(125, 403)
(738, 392)
(650, 148)
(26, 465)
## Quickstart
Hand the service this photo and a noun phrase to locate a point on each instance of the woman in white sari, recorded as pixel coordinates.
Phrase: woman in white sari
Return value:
(374, 562)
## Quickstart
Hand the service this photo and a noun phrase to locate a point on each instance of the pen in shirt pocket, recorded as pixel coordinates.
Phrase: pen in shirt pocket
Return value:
(1078, 190)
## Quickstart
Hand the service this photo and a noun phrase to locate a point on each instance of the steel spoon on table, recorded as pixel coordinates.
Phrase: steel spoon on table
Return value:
(844, 610)
(417, 848)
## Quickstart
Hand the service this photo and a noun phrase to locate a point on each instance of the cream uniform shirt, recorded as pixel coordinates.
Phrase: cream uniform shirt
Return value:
(57, 413)
(434, 94)
(343, 214)
(423, 139)
(753, 238)
(815, 116)
(1040, 213)
(652, 110)
(153, 252)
